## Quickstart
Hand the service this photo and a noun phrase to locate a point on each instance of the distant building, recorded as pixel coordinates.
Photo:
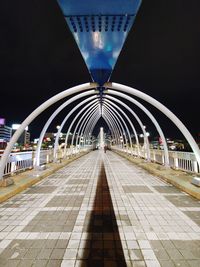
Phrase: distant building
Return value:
(5, 133)
(24, 139)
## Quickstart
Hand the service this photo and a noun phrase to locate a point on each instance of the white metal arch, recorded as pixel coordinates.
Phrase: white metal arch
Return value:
(81, 123)
(121, 118)
(66, 118)
(115, 127)
(90, 127)
(92, 113)
(84, 117)
(54, 114)
(93, 102)
(130, 122)
(34, 114)
(117, 122)
(148, 113)
(163, 109)
(112, 128)
(69, 129)
(166, 153)
(89, 121)
(116, 116)
(146, 142)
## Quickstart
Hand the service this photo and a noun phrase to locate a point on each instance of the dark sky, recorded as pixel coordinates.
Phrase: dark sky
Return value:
(39, 58)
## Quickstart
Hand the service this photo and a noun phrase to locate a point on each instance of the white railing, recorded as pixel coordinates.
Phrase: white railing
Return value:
(21, 161)
(185, 161)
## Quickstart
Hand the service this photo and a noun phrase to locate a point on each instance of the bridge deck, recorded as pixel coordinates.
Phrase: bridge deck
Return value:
(100, 210)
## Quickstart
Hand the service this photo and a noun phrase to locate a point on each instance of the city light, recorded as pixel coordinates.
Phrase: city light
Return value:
(16, 126)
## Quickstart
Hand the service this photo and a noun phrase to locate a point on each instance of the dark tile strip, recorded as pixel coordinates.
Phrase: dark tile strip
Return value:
(105, 248)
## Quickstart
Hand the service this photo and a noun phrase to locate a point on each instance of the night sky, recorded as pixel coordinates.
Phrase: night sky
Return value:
(161, 57)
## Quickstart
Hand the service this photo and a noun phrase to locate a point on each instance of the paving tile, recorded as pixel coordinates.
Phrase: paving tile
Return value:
(40, 190)
(183, 201)
(45, 254)
(40, 263)
(194, 215)
(100, 211)
(135, 254)
(167, 189)
(136, 189)
(166, 263)
(54, 263)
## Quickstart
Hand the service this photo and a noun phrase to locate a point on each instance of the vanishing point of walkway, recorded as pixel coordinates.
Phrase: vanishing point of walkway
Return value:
(100, 210)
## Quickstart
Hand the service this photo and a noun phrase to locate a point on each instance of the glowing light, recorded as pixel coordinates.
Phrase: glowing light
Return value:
(16, 126)
(97, 39)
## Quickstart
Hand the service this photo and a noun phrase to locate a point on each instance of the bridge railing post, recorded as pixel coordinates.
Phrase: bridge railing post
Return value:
(176, 164)
(195, 166)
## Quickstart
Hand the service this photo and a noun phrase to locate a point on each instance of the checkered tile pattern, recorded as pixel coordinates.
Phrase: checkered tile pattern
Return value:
(83, 216)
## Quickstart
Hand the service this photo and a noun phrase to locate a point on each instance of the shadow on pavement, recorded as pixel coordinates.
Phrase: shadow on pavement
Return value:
(103, 246)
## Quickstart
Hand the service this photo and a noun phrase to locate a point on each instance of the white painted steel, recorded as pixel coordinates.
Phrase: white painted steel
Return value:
(117, 129)
(113, 108)
(81, 123)
(93, 103)
(115, 126)
(113, 133)
(71, 125)
(164, 110)
(148, 113)
(52, 117)
(90, 120)
(93, 114)
(130, 122)
(91, 128)
(56, 143)
(118, 121)
(34, 114)
(21, 161)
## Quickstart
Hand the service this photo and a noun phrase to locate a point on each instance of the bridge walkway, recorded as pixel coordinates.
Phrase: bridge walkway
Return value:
(100, 210)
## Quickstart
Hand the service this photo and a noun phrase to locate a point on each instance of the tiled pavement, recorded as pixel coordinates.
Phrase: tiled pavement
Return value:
(100, 210)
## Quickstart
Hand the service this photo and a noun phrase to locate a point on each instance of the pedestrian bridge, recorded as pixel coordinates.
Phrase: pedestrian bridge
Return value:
(100, 30)
(100, 210)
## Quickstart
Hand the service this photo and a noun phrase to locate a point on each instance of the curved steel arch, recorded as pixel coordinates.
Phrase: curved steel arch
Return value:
(164, 110)
(117, 122)
(90, 127)
(34, 114)
(148, 113)
(112, 128)
(54, 114)
(108, 118)
(130, 122)
(88, 122)
(113, 133)
(65, 119)
(112, 125)
(75, 118)
(92, 108)
(90, 114)
(121, 118)
(146, 143)
(81, 122)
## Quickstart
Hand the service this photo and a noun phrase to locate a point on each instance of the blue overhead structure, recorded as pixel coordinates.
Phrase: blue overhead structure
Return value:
(100, 28)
